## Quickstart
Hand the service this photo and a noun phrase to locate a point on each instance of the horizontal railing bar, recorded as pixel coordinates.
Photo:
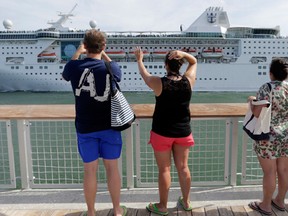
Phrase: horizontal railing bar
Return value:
(65, 111)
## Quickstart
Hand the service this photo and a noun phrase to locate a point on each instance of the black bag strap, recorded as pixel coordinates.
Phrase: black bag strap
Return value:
(112, 78)
(270, 93)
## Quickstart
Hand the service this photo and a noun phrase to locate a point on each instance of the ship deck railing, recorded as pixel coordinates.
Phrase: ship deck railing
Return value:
(39, 148)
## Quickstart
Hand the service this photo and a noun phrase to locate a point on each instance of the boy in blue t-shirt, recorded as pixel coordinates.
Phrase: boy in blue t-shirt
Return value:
(90, 82)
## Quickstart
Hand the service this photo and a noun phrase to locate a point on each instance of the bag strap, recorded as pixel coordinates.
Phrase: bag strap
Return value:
(270, 93)
(112, 78)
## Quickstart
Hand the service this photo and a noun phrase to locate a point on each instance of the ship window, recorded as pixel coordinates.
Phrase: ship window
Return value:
(259, 73)
(150, 66)
(61, 67)
(26, 67)
(41, 67)
(155, 66)
(45, 67)
(12, 67)
(124, 66)
(225, 79)
(31, 67)
(259, 67)
(264, 73)
(17, 67)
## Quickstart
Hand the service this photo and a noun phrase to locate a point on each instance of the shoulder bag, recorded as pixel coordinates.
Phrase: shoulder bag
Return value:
(122, 115)
(259, 128)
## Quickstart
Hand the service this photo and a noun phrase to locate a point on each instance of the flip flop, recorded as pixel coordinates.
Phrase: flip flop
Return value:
(124, 210)
(256, 207)
(277, 206)
(180, 201)
(155, 209)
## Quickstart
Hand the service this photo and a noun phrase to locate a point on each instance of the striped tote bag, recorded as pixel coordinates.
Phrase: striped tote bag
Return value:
(122, 115)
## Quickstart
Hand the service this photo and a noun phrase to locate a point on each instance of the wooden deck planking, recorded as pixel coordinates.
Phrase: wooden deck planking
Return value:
(132, 212)
(198, 212)
(211, 211)
(238, 211)
(251, 212)
(279, 213)
(177, 211)
(182, 212)
(142, 212)
(225, 211)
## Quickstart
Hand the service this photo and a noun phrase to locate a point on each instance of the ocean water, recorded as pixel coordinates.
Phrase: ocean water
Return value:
(10, 98)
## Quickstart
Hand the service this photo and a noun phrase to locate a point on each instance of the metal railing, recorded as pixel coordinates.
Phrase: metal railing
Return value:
(42, 153)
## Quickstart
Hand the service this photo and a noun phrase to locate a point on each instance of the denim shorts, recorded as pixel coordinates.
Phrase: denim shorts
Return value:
(106, 144)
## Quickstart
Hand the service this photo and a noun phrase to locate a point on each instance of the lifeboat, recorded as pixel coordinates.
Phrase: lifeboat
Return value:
(189, 50)
(145, 54)
(192, 52)
(116, 54)
(46, 55)
(159, 54)
(212, 53)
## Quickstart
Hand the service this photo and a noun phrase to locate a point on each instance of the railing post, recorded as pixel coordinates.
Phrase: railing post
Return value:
(129, 158)
(234, 152)
(23, 153)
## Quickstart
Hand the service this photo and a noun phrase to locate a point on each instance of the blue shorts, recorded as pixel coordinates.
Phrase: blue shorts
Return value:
(106, 144)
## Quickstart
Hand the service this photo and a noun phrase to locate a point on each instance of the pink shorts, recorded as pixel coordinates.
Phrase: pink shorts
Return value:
(162, 143)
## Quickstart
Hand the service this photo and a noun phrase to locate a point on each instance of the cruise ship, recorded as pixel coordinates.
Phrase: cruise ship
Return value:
(229, 58)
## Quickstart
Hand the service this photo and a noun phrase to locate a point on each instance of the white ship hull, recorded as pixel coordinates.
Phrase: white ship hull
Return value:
(210, 77)
(34, 61)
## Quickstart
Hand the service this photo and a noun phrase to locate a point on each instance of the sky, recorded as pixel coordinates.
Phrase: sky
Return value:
(145, 15)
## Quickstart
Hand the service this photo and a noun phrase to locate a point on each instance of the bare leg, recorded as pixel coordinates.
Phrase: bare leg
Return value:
(114, 184)
(269, 182)
(90, 185)
(282, 171)
(181, 154)
(163, 160)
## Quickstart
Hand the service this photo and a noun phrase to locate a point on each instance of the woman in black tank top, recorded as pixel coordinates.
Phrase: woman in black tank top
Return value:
(171, 131)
